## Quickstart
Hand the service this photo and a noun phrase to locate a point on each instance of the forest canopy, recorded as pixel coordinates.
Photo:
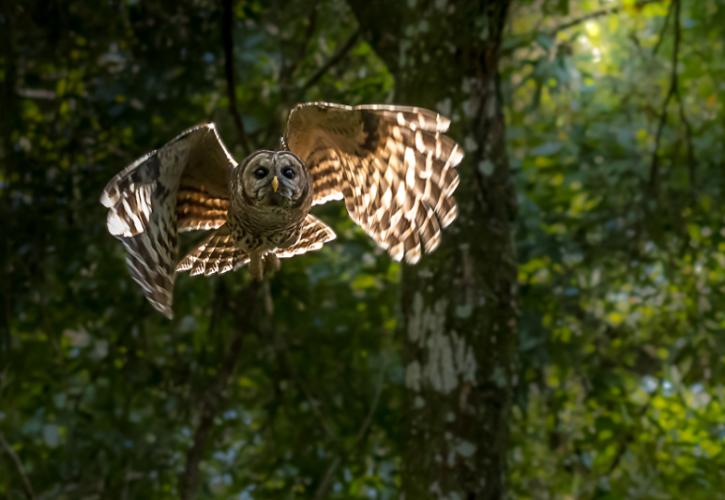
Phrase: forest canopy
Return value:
(566, 341)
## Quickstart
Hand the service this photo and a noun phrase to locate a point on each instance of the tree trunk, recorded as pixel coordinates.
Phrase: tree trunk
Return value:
(459, 304)
(9, 121)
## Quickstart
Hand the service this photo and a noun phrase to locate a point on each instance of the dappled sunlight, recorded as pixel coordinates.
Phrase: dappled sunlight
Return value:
(631, 393)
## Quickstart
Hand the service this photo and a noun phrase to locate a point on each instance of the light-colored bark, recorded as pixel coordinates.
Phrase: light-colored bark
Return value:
(459, 304)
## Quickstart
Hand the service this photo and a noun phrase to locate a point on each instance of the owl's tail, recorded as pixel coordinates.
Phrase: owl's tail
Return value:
(219, 253)
(314, 234)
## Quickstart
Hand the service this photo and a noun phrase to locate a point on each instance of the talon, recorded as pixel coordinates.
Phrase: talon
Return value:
(271, 263)
(256, 267)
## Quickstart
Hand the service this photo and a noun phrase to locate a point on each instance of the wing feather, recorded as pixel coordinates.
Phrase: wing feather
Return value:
(181, 186)
(392, 165)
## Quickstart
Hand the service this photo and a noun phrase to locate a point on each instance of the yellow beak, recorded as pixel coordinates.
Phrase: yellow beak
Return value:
(275, 184)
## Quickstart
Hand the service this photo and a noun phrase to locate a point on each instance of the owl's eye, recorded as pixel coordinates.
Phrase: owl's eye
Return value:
(261, 173)
(289, 173)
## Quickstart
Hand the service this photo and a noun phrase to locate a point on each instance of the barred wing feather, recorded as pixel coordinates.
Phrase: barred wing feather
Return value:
(181, 186)
(392, 165)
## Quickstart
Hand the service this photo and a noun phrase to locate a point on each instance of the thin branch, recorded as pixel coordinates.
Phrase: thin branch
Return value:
(673, 90)
(654, 170)
(629, 437)
(289, 69)
(228, 43)
(189, 481)
(359, 438)
(214, 400)
(691, 159)
(281, 351)
(265, 135)
(338, 56)
(262, 136)
(598, 13)
(664, 29)
(327, 478)
(527, 39)
(38, 94)
(27, 487)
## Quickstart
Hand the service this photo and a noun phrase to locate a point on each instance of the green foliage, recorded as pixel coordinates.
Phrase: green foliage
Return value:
(622, 275)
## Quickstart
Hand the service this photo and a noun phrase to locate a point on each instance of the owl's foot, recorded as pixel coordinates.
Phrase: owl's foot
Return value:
(271, 263)
(256, 266)
(259, 266)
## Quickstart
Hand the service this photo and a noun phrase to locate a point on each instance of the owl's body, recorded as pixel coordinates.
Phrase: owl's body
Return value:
(271, 197)
(392, 165)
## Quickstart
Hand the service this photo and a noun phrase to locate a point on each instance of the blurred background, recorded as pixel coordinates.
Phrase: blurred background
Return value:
(606, 136)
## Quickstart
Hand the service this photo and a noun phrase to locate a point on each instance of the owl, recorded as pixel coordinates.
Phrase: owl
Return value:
(393, 167)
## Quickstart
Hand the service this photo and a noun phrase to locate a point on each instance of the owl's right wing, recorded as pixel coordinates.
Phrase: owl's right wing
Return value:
(182, 186)
(393, 166)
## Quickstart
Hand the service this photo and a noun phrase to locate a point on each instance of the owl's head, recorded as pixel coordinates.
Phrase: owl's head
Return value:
(273, 178)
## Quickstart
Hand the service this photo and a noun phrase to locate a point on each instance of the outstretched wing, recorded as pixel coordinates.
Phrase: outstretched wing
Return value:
(181, 186)
(393, 166)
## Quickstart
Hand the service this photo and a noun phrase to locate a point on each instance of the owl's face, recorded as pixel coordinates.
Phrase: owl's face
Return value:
(273, 178)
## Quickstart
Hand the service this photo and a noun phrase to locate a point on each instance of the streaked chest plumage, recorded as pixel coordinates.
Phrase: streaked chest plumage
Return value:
(264, 229)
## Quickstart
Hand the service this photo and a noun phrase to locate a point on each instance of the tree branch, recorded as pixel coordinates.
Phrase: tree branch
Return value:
(338, 56)
(27, 487)
(628, 437)
(8, 161)
(228, 43)
(673, 91)
(691, 158)
(286, 364)
(359, 437)
(214, 399)
(654, 170)
(663, 30)
(598, 13)
(527, 39)
(288, 69)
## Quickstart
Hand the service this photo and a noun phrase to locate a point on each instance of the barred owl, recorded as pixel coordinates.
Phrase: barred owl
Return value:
(392, 165)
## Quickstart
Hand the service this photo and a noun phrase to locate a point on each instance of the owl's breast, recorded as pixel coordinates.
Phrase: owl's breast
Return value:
(265, 228)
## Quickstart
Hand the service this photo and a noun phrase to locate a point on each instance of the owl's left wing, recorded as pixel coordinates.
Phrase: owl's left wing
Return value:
(393, 166)
(181, 186)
